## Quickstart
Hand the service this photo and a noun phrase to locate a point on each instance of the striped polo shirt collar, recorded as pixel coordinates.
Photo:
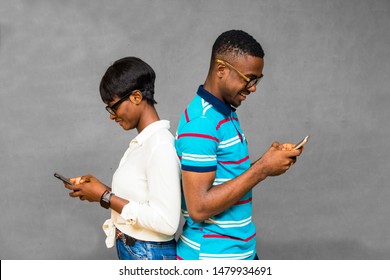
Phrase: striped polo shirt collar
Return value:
(219, 105)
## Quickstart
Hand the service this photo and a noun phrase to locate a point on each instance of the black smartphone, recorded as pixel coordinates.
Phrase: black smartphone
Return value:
(301, 143)
(62, 178)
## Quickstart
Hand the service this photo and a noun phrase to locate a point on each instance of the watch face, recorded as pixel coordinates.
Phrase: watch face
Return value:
(105, 200)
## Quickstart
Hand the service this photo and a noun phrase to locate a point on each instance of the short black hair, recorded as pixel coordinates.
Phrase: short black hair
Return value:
(236, 43)
(125, 75)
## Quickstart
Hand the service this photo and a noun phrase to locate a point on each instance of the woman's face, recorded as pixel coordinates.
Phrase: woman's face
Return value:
(126, 113)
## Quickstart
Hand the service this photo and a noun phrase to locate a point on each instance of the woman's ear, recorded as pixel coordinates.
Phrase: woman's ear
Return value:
(136, 97)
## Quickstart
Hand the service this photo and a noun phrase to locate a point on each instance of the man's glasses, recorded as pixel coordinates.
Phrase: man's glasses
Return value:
(113, 108)
(250, 82)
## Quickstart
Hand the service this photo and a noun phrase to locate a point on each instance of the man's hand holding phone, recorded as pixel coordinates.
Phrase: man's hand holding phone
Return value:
(299, 145)
(292, 147)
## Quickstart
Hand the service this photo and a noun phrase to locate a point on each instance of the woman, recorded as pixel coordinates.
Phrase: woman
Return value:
(145, 194)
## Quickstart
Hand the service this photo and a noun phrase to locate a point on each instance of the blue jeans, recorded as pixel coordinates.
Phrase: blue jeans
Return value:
(146, 250)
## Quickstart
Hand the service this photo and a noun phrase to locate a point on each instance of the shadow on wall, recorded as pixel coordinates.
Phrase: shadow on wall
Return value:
(345, 249)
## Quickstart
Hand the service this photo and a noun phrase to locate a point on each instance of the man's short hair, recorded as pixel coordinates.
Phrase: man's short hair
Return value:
(236, 43)
(125, 75)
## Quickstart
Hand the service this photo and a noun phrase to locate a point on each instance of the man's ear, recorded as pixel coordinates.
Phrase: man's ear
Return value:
(220, 69)
(136, 97)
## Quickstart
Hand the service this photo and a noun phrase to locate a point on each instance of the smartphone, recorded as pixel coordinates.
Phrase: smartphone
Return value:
(62, 178)
(301, 143)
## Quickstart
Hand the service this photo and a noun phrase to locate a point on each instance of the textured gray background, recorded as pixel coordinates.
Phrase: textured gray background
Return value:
(327, 73)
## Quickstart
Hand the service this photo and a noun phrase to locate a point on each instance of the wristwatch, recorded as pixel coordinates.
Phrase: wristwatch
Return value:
(105, 199)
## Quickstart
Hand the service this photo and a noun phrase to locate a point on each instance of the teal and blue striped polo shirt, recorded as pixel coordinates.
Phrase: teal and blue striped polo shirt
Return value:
(209, 138)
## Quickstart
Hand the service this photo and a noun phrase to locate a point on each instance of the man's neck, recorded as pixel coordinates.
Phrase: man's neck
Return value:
(210, 87)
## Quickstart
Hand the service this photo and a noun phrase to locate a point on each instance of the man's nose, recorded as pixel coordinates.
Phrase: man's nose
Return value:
(252, 88)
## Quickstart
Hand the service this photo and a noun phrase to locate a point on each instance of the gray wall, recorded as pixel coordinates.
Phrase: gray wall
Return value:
(326, 74)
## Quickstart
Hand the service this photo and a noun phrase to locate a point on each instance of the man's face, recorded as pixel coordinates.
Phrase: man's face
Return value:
(234, 88)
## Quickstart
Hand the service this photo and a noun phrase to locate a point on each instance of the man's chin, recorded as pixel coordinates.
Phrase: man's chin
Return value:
(235, 106)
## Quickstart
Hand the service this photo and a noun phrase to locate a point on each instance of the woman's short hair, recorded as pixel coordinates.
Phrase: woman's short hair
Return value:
(125, 75)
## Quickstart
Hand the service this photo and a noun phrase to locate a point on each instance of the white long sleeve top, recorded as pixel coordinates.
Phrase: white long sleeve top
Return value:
(148, 177)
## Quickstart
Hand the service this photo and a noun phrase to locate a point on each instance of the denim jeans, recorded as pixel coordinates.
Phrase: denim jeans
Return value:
(146, 250)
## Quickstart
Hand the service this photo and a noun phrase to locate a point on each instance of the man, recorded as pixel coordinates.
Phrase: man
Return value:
(217, 176)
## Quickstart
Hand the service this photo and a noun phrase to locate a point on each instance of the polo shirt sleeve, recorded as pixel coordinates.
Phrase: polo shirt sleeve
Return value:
(196, 144)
